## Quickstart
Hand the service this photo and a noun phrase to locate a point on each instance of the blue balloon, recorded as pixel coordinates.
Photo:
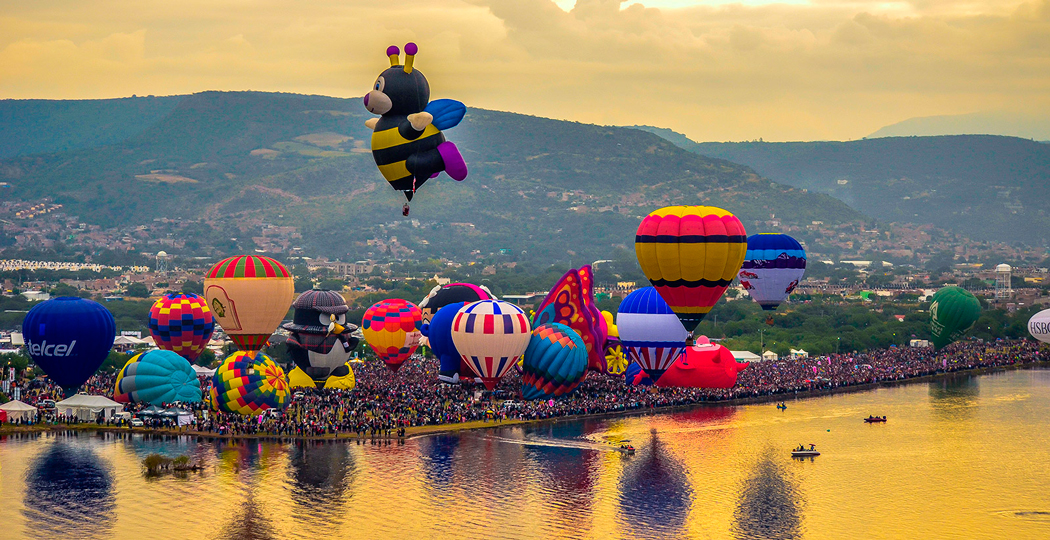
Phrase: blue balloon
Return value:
(69, 338)
(439, 332)
(651, 334)
(157, 377)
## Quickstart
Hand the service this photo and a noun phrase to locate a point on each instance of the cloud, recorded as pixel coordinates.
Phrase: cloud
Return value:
(827, 69)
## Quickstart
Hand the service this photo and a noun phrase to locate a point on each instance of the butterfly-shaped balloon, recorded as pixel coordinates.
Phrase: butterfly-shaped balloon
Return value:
(571, 302)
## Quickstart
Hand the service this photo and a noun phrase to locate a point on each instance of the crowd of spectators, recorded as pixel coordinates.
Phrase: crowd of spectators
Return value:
(384, 402)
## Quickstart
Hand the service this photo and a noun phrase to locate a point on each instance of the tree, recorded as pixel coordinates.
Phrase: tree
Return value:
(138, 290)
(193, 287)
(332, 285)
(206, 358)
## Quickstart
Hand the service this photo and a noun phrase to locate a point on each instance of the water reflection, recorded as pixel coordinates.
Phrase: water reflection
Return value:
(655, 494)
(770, 504)
(437, 455)
(68, 493)
(250, 523)
(321, 475)
(955, 398)
(567, 475)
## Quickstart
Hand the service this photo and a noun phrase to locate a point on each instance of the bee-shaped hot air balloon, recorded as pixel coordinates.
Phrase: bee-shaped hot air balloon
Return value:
(407, 143)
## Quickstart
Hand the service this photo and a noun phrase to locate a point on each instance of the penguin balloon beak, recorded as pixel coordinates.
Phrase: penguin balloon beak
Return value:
(336, 328)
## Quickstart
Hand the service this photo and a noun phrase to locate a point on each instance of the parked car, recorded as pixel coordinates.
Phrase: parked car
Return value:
(137, 422)
(47, 405)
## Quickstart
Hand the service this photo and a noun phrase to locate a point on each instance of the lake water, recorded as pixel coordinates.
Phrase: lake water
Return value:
(960, 458)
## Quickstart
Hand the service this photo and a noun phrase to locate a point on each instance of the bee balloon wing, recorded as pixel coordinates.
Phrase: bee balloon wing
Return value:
(447, 113)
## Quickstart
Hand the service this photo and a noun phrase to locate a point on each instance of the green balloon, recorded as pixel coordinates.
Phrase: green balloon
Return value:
(953, 312)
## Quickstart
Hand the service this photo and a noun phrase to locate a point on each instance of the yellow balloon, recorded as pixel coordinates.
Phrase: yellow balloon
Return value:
(249, 296)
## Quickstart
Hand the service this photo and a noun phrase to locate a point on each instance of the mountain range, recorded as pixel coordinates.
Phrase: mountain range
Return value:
(236, 162)
(985, 187)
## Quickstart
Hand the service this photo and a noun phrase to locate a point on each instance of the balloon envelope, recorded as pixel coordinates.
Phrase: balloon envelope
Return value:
(69, 338)
(651, 334)
(1039, 326)
(953, 311)
(690, 254)
(703, 366)
(571, 302)
(249, 295)
(249, 386)
(157, 377)
(490, 336)
(392, 328)
(181, 323)
(439, 333)
(555, 362)
(773, 267)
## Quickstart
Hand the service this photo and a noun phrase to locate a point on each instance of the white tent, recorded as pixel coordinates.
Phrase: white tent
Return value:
(127, 340)
(87, 407)
(203, 371)
(181, 417)
(746, 356)
(799, 353)
(769, 355)
(16, 410)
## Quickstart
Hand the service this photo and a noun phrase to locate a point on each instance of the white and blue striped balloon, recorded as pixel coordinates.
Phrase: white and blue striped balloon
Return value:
(651, 334)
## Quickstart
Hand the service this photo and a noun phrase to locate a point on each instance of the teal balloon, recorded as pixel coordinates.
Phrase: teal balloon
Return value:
(554, 363)
(953, 312)
(157, 377)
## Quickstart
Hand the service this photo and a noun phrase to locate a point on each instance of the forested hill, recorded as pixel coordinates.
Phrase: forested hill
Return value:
(985, 187)
(243, 160)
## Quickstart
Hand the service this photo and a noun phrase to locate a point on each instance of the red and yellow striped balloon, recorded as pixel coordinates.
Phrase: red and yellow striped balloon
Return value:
(249, 295)
(691, 254)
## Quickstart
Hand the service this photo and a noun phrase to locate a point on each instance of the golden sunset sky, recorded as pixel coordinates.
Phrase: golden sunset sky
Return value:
(714, 70)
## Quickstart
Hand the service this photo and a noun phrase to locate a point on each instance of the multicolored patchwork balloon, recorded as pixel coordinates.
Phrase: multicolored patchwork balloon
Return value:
(249, 295)
(691, 254)
(555, 362)
(249, 386)
(157, 377)
(773, 267)
(490, 336)
(181, 323)
(392, 329)
(650, 332)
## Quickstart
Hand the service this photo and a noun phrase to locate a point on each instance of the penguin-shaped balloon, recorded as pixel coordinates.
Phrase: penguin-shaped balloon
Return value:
(320, 342)
(407, 142)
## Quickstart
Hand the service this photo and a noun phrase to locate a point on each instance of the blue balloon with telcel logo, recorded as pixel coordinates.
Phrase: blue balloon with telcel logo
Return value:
(69, 338)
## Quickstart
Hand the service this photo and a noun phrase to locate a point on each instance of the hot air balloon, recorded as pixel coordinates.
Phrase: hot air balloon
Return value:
(690, 254)
(249, 296)
(407, 142)
(650, 332)
(1039, 326)
(320, 339)
(773, 267)
(249, 386)
(953, 311)
(443, 295)
(490, 336)
(555, 362)
(571, 302)
(704, 365)
(392, 329)
(181, 323)
(69, 338)
(157, 377)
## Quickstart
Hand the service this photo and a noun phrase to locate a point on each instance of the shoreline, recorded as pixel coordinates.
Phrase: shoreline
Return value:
(439, 429)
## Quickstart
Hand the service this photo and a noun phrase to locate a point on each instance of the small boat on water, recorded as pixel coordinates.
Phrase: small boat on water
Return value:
(803, 452)
(626, 449)
(782, 406)
(875, 419)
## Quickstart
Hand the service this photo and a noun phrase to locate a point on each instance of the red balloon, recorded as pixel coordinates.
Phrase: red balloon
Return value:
(703, 366)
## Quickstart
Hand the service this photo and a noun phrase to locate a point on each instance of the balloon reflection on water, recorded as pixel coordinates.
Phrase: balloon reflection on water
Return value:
(69, 493)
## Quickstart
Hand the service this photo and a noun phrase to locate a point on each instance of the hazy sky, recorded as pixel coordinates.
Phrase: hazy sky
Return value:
(713, 69)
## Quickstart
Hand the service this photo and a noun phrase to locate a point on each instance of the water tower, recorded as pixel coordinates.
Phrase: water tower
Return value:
(162, 262)
(1002, 281)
